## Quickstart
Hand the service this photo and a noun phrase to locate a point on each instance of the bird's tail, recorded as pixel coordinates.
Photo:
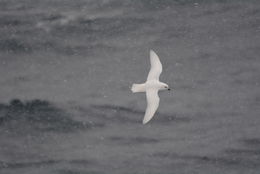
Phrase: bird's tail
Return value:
(138, 88)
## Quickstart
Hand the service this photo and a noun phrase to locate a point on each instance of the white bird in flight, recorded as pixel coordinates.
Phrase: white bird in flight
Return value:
(151, 87)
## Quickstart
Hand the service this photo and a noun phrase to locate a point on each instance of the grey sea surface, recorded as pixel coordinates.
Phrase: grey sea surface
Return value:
(66, 71)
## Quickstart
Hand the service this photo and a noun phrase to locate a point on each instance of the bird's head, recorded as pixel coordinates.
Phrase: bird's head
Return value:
(164, 86)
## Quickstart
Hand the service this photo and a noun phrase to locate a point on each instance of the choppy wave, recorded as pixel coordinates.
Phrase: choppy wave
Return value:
(88, 52)
(38, 115)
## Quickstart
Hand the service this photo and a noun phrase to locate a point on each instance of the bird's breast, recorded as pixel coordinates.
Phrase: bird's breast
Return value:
(152, 84)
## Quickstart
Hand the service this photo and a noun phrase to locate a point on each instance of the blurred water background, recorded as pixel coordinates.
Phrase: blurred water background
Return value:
(66, 68)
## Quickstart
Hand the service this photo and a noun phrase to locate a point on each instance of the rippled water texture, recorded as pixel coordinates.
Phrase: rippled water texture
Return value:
(66, 68)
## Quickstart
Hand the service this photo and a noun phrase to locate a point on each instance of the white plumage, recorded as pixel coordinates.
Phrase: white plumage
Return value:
(151, 87)
(156, 67)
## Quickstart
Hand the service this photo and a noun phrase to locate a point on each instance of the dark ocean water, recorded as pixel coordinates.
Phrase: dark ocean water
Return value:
(66, 68)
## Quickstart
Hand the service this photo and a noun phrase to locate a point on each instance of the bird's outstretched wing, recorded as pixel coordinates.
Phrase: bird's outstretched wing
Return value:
(156, 67)
(152, 104)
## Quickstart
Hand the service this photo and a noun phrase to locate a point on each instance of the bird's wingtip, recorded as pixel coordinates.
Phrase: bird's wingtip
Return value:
(145, 121)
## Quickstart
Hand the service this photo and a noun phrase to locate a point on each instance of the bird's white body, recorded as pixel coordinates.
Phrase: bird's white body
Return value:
(151, 87)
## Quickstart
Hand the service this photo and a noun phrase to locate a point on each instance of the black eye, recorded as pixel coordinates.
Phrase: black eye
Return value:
(165, 87)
